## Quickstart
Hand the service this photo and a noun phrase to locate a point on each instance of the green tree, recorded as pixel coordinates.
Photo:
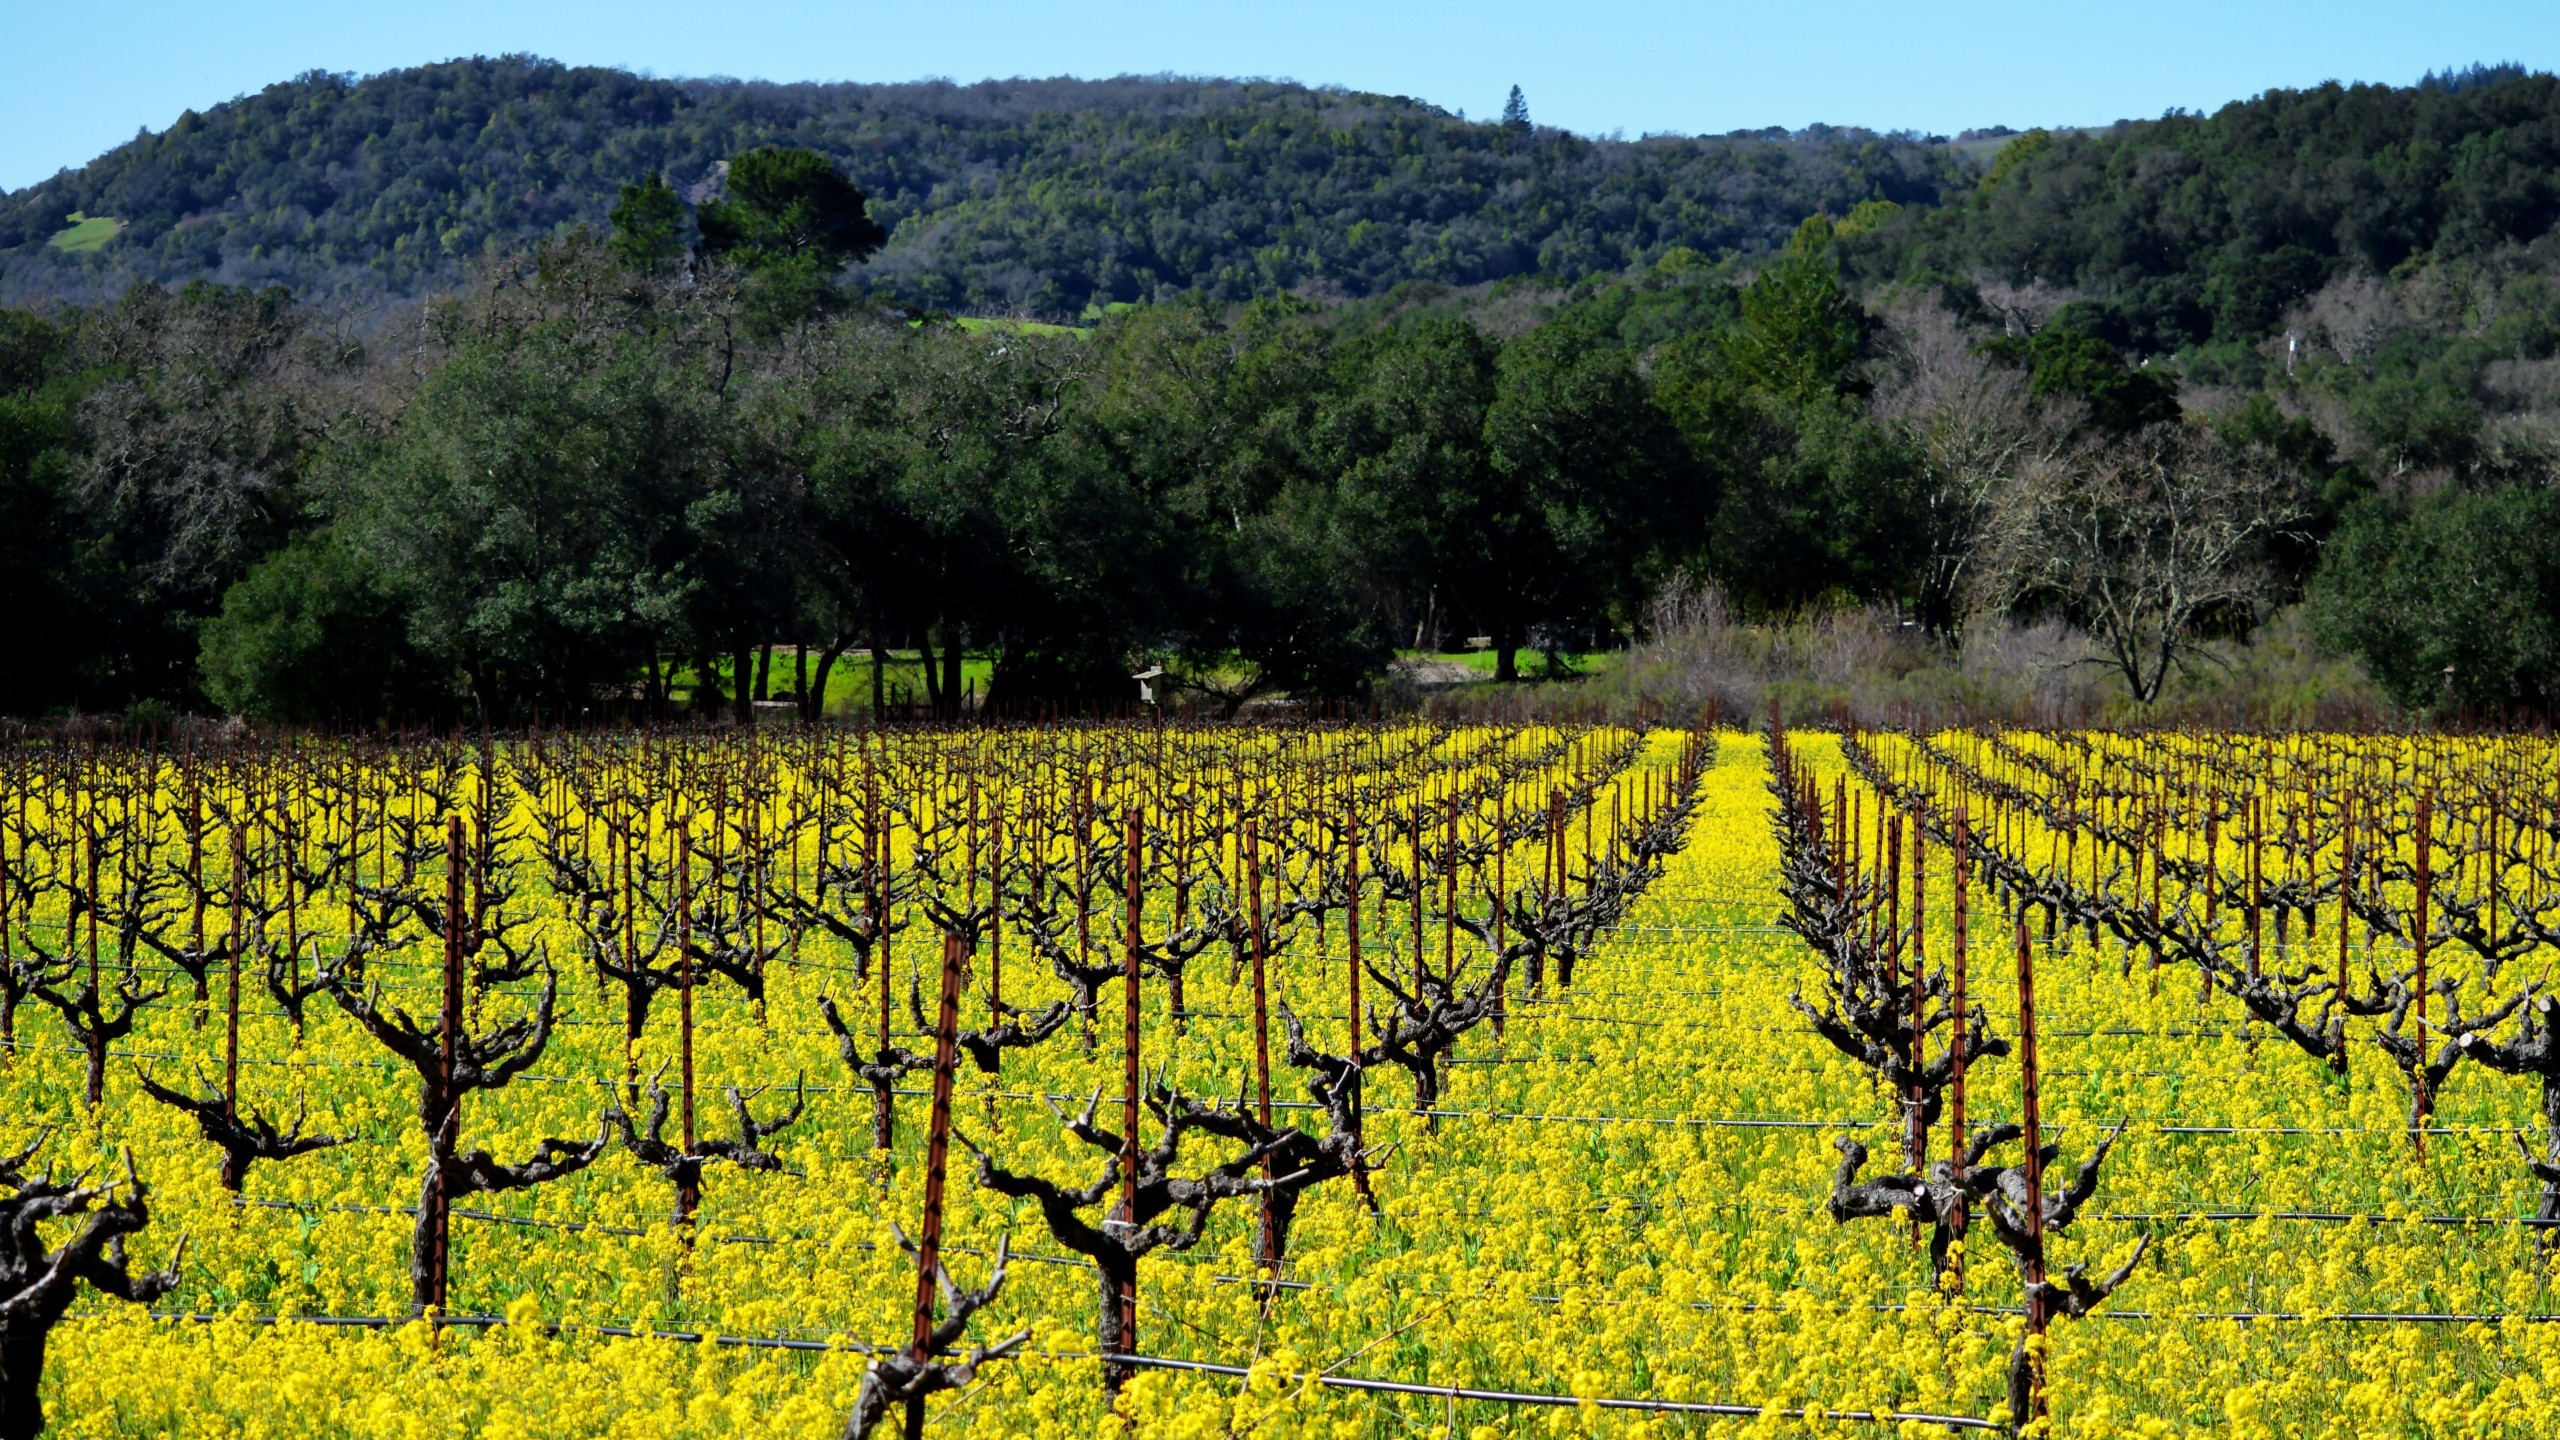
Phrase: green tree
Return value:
(1214, 419)
(2452, 600)
(648, 225)
(792, 220)
(312, 636)
(1816, 500)
(50, 650)
(551, 501)
(1800, 331)
(1587, 482)
(2065, 364)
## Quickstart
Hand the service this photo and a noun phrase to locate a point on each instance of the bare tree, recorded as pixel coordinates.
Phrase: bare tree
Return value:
(37, 1285)
(898, 1377)
(243, 1136)
(1975, 428)
(2021, 1212)
(2023, 309)
(2143, 541)
(1124, 1234)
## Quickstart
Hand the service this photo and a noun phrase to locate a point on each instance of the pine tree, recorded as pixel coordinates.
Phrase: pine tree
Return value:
(1515, 111)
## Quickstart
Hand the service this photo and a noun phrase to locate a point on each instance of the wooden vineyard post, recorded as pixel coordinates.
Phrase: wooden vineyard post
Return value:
(1915, 1133)
(231, 997)
(96, 1035)
(2346, 884)
(1351, 941)
(2257, 883)
(2159, 862)
(195, 872)
(1892, 857)
(882, 1132)
(2212, 887)
(1449, 891)
(1418, 891)
(293, 918)
(1956, 1139)
(689, 1187)
(634, 836)
(995, 914)
(1118, 1375)
(437, 1202)
(1267, 1246)
(1084, 892)
(937, 1160)
(2031, 1257)
(2418, 933)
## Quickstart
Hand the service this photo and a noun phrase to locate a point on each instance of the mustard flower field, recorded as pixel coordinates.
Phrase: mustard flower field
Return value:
(644, 1084)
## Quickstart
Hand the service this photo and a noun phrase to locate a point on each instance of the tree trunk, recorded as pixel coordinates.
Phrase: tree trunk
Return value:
(22, 1376)
(764, 670)
(2549, 1210)
(1506, 662)
(813, 698)
(707, 695)
(741, 682)
(428, 1242)
(951, 659)
(932, 672)
(879, 677)
(1119, 1274)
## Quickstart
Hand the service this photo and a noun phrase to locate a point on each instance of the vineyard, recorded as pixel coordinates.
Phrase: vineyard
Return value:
(1323, 1080)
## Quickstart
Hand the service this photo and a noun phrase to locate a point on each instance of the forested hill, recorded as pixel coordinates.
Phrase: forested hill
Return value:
(2202, 232)
(1042, 196)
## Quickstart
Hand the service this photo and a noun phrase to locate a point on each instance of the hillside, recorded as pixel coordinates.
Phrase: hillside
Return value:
(2201, 232)
(1041, 197)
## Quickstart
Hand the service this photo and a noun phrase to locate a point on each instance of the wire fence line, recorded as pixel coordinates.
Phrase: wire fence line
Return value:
(2483, 1129)
(716, 1236)
(1323, 1379)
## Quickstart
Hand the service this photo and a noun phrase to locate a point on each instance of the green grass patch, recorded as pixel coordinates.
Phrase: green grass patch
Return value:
(976, 323)
(849, 683)
(85, 233)
(1533, 663)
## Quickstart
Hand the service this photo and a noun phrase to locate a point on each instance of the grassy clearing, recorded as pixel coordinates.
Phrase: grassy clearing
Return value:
(85, 233)
(849, 683)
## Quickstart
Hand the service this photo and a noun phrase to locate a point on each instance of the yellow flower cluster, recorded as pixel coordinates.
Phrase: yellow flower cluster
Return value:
(1622, 1194)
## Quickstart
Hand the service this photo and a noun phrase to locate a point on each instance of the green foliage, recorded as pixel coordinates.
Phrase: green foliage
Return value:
(1043, 197)
(546, 504)
(2248, 290)
(44, 662)
(2063, 364)
(785, 206)
(2452, 600)
(311, 636)
(1800, 331)
(1819, 505)
(2016, 153)
(1583, 465)
(792, 221)
(2207, 227)
(648, 225)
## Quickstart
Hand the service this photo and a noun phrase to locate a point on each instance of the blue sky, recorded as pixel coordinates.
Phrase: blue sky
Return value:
(78, 78)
